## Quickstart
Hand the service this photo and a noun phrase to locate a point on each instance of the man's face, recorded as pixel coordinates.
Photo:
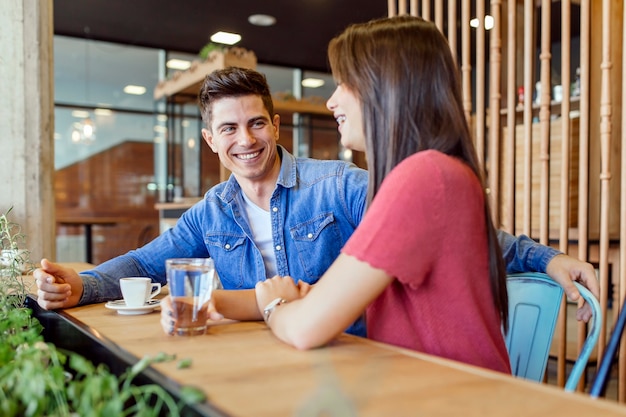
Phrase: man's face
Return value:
(244, 135)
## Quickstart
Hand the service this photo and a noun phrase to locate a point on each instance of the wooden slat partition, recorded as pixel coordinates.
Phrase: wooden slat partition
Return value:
(578, 213)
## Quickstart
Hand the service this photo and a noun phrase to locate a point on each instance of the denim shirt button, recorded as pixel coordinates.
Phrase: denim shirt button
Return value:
(227, 246)
(278, 247)
(310, 235)
(274, 209)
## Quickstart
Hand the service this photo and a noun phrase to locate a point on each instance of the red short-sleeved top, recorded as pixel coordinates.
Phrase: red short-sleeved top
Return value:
(426, 227)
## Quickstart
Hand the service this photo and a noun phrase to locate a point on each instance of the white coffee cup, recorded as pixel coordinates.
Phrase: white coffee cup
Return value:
(137, 291)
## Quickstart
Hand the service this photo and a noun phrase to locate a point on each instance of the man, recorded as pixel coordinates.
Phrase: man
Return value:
(276, 215)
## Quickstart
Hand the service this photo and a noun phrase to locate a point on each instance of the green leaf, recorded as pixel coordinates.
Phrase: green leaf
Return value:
(192, 395)
(184, 363)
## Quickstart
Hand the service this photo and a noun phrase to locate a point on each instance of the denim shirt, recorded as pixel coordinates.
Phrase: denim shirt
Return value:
(314, 209)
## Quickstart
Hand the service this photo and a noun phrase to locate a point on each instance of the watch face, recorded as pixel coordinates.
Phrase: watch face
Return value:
(273, 304)
(267, 311)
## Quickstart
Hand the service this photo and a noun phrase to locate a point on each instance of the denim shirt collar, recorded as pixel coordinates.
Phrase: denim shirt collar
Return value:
(286, 176)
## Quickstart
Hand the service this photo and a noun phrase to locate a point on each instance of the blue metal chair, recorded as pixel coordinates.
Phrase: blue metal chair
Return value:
(603, 374)
(534, 301)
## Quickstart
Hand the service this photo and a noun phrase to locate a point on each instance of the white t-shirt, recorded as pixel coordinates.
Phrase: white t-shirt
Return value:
(261, 227)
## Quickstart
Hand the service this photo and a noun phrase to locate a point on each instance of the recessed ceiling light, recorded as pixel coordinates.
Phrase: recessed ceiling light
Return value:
(102, 112)
(312, 82)
(226, 38)
(261, 20)
(136, 90)
(178, 64)
(80, 114)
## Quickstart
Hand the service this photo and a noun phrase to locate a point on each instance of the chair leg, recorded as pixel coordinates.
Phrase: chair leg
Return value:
(603, 373)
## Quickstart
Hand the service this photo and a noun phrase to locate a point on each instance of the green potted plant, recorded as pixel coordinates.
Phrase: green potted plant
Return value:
(37, 379)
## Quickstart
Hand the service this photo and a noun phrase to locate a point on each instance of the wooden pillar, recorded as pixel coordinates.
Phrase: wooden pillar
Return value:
(27, 122)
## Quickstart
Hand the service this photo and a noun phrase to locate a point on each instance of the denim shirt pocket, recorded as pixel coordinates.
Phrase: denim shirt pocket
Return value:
(229, 254)
(318, 242)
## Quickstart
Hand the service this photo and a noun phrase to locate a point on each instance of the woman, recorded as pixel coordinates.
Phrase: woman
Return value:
(424, 264)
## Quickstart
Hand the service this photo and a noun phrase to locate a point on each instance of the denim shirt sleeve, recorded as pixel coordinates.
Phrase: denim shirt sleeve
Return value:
(102, 284)
(522, 254)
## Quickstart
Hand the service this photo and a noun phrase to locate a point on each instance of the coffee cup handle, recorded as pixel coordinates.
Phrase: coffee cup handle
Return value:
(155, 290)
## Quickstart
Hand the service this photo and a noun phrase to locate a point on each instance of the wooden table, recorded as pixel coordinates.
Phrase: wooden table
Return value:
(246, 371)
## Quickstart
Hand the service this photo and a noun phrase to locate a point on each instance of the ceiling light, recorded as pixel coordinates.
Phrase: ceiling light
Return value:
(178, 64)
(312, 82)
(84, 131)
(261, 20)
(136, 90)
(102, 112)
(80, 114)
(488, 22)
(226, 38)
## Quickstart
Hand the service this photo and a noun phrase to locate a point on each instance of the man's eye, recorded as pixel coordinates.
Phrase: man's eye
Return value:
(228, 129)
(259, 124)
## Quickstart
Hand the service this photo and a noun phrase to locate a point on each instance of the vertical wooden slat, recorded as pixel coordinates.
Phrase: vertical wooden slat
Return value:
(426, 9)
(621, 379)
(480, 81)
(545, 62)
(391, 8)
(545, 59)
(402, 7)
(565, 152)
(495, 58)
(605, 173)
(466, 66)
(452, 35)
(414, 8)
(507, 214)
(583, 134)
(565, 124)
(439, 14)
(529, 58)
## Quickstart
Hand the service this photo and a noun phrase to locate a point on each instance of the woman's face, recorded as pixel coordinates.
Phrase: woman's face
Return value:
(347, 111)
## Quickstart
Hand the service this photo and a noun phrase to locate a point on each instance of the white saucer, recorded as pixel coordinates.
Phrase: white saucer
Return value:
(122, 308)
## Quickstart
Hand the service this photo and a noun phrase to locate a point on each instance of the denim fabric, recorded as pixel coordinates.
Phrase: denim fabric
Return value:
(522, 254)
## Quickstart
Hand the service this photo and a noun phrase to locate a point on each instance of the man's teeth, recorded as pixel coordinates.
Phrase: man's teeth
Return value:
(341, 119)
(248, 155)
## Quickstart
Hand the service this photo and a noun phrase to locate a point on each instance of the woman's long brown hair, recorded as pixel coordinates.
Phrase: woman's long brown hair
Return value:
(402, 70)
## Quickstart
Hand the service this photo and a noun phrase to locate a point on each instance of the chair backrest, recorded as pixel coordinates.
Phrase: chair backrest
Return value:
(534, 301)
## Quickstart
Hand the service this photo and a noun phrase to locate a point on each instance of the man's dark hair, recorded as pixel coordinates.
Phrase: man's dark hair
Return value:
(233, 82)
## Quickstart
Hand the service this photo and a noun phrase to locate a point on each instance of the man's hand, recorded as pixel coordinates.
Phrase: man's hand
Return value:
(564, 269)
(283, 287)
(169, 321)
(57, 286)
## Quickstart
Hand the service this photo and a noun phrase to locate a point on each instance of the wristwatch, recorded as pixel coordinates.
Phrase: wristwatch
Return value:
(269, 309)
